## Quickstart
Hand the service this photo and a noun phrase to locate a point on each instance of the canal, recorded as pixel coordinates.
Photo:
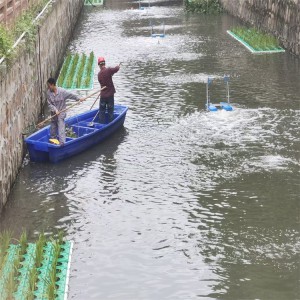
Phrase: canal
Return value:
(180, 203)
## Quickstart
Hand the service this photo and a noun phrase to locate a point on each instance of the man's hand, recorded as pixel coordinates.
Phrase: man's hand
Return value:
(81, 99)
(57, 112)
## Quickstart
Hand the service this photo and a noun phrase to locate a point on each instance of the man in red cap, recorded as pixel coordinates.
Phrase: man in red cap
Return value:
(107, 94)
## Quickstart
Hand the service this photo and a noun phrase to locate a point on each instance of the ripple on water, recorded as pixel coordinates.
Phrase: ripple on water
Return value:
(182, 203)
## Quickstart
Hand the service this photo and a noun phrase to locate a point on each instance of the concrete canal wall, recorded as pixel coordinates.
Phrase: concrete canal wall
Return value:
(22, 86)
(279, 17)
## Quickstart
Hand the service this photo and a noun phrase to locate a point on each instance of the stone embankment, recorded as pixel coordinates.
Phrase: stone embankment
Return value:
(22, 86)
(281, 18)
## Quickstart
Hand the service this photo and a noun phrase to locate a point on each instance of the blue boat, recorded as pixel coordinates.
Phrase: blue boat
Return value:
(88, 133)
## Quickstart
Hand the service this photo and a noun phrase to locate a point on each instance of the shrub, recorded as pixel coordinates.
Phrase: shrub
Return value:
(203, 6)
(6, 42)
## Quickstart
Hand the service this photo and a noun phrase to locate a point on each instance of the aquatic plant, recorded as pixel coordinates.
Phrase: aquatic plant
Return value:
(27, 283)
(80, 70)
(61, 237)
(71, 73)
(52, 282)
(256, 38)
(23, 242)
(5, 238)
(39, 251)
(203, 6)
(76, 71)
(64, 70)
(33, 276)
(89, 69)
(10, 286)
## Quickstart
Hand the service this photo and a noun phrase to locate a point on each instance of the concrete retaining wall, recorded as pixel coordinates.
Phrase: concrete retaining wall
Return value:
(22, 86)
(279, 17)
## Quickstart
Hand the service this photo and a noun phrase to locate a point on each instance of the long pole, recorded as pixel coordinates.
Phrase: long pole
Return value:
(228, 98)
(207, 93)
(95, 102)
(226, 80)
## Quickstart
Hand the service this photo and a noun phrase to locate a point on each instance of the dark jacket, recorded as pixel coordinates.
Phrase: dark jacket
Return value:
(105, 79)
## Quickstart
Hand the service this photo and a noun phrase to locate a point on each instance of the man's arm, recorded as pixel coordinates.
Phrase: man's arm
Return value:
(68, 95)
(114, 70)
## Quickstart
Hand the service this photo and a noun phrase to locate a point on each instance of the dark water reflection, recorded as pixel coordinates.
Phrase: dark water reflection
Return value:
(182, 204)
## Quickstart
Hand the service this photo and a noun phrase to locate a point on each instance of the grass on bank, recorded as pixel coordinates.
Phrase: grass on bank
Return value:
(24, 23)
(203, 6)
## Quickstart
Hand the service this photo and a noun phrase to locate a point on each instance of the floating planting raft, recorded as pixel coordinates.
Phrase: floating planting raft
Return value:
(34, 270)
(255, 40)
(93, 2)
(77, 72)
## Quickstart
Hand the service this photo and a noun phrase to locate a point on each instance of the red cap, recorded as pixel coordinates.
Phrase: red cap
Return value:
(101, 60)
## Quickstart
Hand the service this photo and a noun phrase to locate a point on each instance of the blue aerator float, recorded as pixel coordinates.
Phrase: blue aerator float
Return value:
(143, 7)
(161, 34)
(223, 105)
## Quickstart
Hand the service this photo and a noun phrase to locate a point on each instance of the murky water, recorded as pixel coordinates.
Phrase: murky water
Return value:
(181, 203)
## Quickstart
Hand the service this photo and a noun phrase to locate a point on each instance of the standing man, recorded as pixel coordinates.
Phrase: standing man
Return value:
(56, 98)
(107, 94)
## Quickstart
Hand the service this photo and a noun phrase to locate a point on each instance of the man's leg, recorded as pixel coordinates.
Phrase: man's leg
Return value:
(110, 108)
(53, 128)
(102, 108)
(61, 129)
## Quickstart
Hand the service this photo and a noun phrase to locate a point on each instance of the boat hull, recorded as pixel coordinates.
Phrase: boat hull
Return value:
(88, 135)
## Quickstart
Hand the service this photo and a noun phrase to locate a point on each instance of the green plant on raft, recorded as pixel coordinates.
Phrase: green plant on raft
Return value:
(203, 6)
(10, 286)
(23, 242)
(51, 287)
(5, 239)
(17, 259)
(64, 70)
(12, 282)
(71, 73)
(61, 237)
(39, 251)
(80, 70)
(89, 69)
(256, 38)
(33, 276)
(18, 273)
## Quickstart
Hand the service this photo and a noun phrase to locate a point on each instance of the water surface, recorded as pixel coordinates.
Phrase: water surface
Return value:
(180, 203)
